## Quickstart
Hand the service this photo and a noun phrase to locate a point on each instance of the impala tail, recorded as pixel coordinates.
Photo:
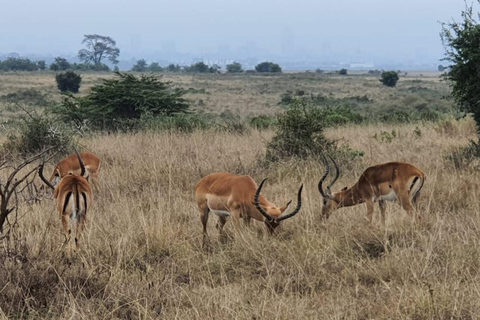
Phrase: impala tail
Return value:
(416, 192)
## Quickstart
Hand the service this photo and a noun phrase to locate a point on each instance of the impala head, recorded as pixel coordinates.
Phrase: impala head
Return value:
(329, 202)
(273, 215)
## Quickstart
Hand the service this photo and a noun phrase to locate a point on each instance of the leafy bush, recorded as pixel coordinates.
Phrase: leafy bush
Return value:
(201, 67)
(389, 78)
(68, 81)
(27, 96)
(343, 72)
(121, 102)
(300, 133)
(173, 68)
(60, 64)
(155, 67)
(140, 66)
(37, 133)
(268, 67)
(234, 68)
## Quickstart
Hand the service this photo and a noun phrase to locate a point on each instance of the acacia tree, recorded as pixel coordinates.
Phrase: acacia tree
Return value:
(98, 48)
(462, 42)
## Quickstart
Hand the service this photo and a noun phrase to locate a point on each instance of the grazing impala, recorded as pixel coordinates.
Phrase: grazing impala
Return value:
(226, 194)
(73, 195)
(71, 165)
(384, 182)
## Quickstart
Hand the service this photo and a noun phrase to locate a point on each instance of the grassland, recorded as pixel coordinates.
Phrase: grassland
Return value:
(143, 255)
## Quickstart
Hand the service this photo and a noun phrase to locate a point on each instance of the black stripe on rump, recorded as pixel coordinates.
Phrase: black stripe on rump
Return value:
(67, 198)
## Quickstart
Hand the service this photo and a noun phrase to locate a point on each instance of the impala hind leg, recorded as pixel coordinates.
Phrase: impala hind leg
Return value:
(406, 202)
(220, 226)
(369, 204)
(204, 213)
(383, 207)
(80, 227)
(67, 231)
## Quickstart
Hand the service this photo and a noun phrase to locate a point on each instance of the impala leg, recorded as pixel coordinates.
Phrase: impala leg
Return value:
(220, 224)
(80, 227)
(369, 204)
(383, 207)
(406, 202)
(204, 213)
(67, 232)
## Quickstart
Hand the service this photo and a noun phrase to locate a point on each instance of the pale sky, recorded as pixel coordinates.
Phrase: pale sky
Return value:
(401, 29)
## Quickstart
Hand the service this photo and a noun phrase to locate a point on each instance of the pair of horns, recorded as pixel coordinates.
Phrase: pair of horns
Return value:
(269, 217)
(327, 193)
(48, 183)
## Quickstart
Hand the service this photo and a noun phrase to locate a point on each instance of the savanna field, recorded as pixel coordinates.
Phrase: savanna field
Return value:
(142, 255)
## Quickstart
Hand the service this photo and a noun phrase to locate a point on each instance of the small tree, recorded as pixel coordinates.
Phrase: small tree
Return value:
(41, 65)
(389, 78)
(68, 81)
(268, 67)
(60, 64)
(462, 42)
(343, 72)
(98, 48)
(155, 67)
(140, 66)
(173, 68)
(234, 68)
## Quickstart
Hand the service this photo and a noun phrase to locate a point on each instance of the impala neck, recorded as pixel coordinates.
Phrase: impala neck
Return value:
(349, 197)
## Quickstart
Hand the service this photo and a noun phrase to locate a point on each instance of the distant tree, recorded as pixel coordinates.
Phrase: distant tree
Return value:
(98, 48)
(60, 64)
(268, 67)
(462, 42)
(140, 66)
(389, 78)
(318, 70)
(234, 68)
(201, 67)
(41, 65)
(343, 72)
(18, 64)
(68, 81)
(155, 67)
(441, 68)
(174, 68)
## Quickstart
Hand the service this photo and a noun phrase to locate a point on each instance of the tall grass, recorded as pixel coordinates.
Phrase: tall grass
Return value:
(143, 255)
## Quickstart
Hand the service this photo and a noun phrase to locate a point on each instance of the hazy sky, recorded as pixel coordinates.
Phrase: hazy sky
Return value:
(401, 29)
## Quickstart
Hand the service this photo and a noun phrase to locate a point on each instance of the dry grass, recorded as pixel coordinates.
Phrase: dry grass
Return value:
(143, 257)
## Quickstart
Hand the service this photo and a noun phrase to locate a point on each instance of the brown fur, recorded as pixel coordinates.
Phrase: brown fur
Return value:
(235, 194)
(377, 181)
(70, 165)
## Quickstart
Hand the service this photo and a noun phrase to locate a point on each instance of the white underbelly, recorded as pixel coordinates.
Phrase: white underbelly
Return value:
(392, 196)
(220, 213)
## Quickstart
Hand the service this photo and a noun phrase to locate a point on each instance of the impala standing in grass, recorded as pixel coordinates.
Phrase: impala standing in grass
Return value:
(384, 182)
(73, 196)
(225, 194)
(72, 165)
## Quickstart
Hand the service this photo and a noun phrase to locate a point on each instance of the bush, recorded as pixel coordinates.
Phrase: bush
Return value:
(27, 96)
(389, 78)
(300, 133)
(37, 133)
(121, 102)
(201, 67)
(68, 81)
(343, 72)
(20, 64)
(60, 64)
(268, 67)
(140, 66)
(262, 122)
(155, 67)
(234, 68)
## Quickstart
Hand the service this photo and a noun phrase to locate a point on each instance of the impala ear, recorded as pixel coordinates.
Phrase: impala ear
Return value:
(285, 207)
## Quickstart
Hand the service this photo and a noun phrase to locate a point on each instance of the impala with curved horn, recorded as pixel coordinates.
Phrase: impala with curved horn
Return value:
(73, 195)
(71, 165)
(226, 194)
(384, 182)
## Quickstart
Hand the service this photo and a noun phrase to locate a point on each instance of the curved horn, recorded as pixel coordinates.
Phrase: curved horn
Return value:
(327, 170)
(257, 204)
(297, 209)
(337, 173)
(40, 173)
(82, 165)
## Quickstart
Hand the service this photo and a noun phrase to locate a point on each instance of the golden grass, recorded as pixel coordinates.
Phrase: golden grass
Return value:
(143, 255)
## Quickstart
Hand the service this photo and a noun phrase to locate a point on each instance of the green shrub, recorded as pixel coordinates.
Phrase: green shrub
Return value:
(389, 78)
(140, 66)
(20, 64)
(234, 68)
(119, 103)
(36, 133)
(300, 133)
(343, 72)
(60, 64)
(68, 81)
(268, 67)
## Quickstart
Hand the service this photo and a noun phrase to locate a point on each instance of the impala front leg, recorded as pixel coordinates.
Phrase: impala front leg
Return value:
(369, 204)
(383, 207)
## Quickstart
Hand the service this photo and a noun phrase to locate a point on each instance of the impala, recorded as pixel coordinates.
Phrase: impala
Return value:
(384, 182)
(225, 194)
(71, 165)
(73, 196)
